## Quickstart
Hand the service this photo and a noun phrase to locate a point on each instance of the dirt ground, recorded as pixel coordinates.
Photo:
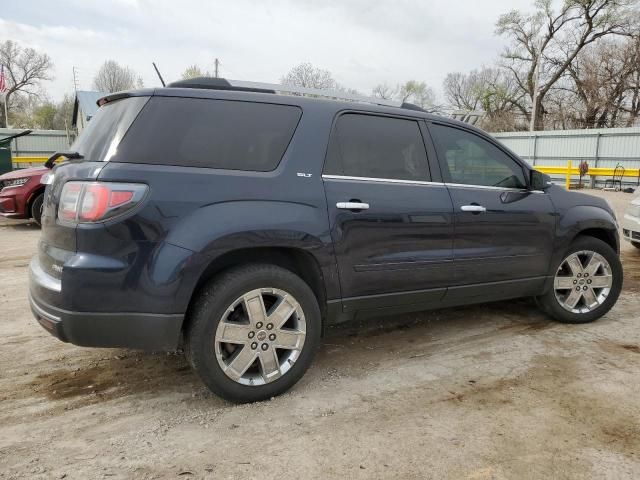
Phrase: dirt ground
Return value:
(487, 392)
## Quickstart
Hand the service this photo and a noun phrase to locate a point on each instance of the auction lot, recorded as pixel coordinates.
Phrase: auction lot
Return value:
(494, 391)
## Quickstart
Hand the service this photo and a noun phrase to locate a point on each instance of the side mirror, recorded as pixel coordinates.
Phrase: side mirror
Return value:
(539, 180)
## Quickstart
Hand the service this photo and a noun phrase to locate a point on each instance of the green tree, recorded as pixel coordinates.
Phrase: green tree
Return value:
(194, 71)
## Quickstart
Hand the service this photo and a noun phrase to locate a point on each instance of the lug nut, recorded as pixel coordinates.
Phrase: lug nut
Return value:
(272, 337)
(577, 289)
(589, 281)
(584, 288)
(586, 275)
(269, 326)
(254, 345)
(265, 346)
(579, 275)
(259, 325)
(575, 282)
(252, 334)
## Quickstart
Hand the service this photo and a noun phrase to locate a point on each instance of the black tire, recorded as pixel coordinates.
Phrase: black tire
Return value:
(552, 307)
(36, 208)
(208, 310)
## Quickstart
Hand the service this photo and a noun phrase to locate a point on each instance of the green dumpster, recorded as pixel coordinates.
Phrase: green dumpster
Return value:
(5, 156)
(6, 163)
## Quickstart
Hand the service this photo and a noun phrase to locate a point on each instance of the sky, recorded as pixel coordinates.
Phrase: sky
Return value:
(362, 42)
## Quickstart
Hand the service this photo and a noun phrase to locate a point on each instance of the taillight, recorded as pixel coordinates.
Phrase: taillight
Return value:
(89, 202)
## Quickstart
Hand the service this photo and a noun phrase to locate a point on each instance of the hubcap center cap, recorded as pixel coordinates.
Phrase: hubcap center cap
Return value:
(261, 335)
(582, 281)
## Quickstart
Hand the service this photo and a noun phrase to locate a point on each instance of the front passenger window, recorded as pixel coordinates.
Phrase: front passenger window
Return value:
(471, 160)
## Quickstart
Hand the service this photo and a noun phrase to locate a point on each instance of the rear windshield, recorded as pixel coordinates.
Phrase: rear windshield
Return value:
(210, 133)
(99, 141)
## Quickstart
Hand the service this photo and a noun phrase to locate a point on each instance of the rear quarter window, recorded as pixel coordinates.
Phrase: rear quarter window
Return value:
(210, 133)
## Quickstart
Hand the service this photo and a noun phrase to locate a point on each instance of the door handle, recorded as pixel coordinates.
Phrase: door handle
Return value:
(473, 208)
(352, 205)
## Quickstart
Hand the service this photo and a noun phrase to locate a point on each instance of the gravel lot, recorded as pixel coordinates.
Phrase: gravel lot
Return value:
(494, 391)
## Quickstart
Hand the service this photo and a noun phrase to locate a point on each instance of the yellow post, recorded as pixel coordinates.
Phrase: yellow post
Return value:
(568, 176)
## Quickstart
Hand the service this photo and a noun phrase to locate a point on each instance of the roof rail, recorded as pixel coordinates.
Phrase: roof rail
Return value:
(245, 86)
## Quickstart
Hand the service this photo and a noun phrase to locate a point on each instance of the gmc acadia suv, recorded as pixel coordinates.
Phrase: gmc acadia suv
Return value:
(242, 223)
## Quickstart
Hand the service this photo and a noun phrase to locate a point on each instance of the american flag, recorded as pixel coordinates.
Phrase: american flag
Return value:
(3, 82)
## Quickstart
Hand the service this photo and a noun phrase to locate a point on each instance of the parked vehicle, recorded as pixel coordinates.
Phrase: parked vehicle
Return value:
(631, 223)
(21, 193)
(246, 222)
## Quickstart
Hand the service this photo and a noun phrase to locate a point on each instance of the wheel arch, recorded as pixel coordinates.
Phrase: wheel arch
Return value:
(608, 236)
(297, 260)
(31, 199)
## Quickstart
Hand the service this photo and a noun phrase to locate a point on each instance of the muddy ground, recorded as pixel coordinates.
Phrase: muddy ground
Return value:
(487, 392)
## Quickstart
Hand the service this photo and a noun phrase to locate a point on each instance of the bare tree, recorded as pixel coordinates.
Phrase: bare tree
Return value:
(25, 69)
(600, 78)
(489, 90)
(308, 76)
(113, 77)
(384, 91)
(544, 44)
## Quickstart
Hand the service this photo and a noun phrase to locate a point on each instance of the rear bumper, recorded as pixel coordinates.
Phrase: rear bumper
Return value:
(146, 331)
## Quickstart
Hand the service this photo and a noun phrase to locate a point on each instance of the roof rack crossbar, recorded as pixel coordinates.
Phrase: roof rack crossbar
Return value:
(335, 94)
(226, 84)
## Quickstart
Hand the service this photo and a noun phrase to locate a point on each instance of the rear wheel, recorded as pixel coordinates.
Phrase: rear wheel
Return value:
(587, 283)
(36, 208)
(253, 332)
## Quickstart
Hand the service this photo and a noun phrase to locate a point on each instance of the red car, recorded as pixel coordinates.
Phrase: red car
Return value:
(21, 193)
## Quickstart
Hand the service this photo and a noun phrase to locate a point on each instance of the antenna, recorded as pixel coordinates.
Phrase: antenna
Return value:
(158, 72)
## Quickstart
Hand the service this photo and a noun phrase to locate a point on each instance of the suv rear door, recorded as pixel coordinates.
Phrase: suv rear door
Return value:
(390, 223)
(504, 232)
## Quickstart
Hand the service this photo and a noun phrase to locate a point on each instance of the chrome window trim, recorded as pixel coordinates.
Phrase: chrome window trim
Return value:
(380, 180)
(418, 182)
(489, 187)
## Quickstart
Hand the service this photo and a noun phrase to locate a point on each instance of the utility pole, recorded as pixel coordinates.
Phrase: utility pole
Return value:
(217, 64)
(76, 82)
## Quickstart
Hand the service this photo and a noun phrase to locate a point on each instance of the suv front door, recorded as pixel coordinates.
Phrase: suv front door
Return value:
(391, 225)
(504, 232)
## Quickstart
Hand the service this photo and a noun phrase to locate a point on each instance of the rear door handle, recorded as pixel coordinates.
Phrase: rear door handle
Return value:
(473, 208)
(352, 205)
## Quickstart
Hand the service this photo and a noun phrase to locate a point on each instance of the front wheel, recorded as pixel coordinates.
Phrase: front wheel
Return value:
(253, 332)
(36, 208)
(587, 283)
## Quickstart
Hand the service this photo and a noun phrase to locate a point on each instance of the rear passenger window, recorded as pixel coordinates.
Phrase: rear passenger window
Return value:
(210, 133)
(377, 147)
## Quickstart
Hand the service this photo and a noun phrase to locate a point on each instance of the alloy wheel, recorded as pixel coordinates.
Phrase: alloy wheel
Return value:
(583, 281)
(260, 336)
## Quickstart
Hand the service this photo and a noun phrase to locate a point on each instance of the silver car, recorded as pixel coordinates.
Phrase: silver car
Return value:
(631, 223)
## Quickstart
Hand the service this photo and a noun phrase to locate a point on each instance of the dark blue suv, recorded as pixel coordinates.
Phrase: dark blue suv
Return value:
(241, 223)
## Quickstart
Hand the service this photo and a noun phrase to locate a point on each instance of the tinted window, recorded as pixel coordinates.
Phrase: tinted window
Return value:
(377, 147)
(472, 160)
(99, 141)
(210, 133)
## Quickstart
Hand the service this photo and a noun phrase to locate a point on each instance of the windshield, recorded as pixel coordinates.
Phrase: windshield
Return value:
(99, 141)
